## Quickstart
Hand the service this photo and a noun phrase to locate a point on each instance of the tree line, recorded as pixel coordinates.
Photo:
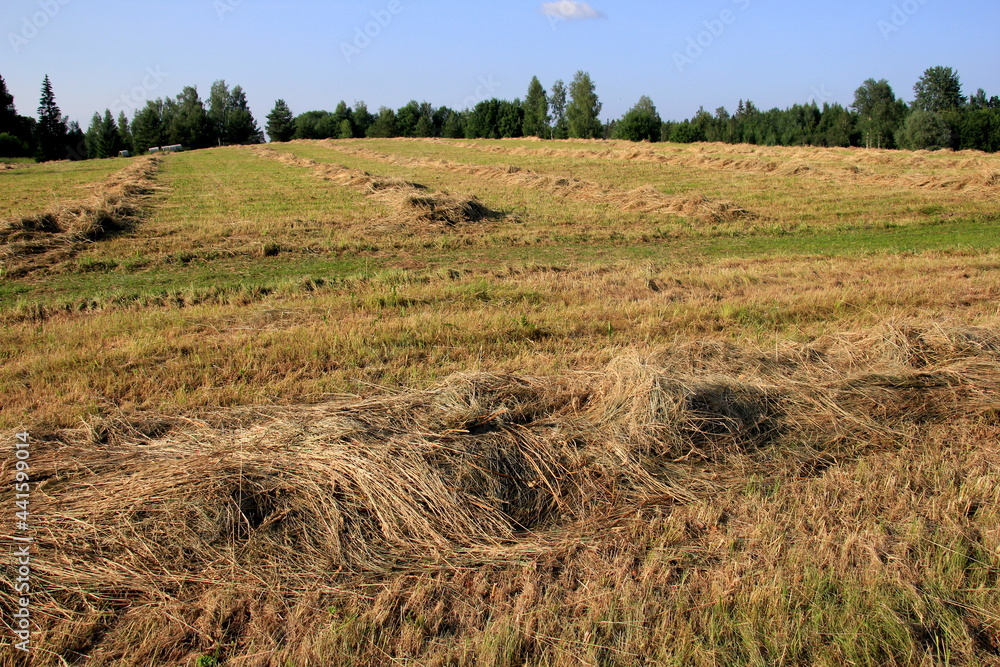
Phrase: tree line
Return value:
(940, 116)
(186, 119)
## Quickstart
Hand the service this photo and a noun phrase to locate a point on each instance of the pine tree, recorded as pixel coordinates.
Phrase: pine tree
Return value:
(280, 122)
(557, 101)
(536, 110)
(51, 129)
(583, 111)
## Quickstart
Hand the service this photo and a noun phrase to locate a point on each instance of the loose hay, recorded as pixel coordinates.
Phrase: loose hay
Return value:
(413, 202)
(114, 206)
(644, 199)
(483, 468)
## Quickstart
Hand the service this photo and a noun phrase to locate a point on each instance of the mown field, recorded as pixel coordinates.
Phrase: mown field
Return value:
(511, 402)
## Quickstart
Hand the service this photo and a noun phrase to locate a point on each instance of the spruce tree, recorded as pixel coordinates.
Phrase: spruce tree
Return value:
(124, 131)
(148, 127)
(584, 108)
(536, 110)
(189, 124)
(280, 122)
(51, 130)
(241, 127)
(8, 114)
(384, 125)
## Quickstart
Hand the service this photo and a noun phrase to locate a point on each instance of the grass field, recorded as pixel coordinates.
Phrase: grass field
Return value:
(513, 402)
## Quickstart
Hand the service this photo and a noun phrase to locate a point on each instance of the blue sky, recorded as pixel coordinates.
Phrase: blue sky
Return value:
(313, 53)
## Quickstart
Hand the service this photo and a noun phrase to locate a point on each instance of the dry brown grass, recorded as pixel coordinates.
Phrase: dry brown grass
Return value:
(33, 242)
(154, 527)
(976, 174)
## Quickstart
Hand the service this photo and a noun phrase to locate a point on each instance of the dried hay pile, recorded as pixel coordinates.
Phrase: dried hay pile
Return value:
(645, 199)
(113, 207)
(147, 515)
(413, 202)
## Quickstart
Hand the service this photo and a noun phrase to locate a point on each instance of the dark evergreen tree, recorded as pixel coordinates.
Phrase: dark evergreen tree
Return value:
(407, 118)
(425, 127)
(584, 109)
(557, 102)
(703, 124)
(536, 111)
(15, 130)
(340, 114)
(510, 119)
(280, 122)
(51, 130)
(103, 140)
(241, 127)
(640, 123)
(484, 120)
(149, 127)
(232, 122)
(363, 119)
(76, 143)
(384, 125)
(190, 125)
(8, 114)
(939, 89)
(454, 126)
(836, 127)
(124, 131)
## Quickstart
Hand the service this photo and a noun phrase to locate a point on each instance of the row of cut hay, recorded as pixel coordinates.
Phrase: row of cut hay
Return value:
(979, 179)
(413, 202)
(644, 199)
(112, 208)
(482, 468)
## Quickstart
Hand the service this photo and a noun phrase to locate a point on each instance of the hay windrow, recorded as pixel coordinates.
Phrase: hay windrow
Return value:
(482, 468)
(414, 203)
(794, 163)
(29, 243)
(645, 199)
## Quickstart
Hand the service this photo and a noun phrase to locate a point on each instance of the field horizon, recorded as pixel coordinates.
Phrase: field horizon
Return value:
(507, 402)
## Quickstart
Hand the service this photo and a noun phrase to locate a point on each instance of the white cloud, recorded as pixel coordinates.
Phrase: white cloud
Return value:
(569, 9)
